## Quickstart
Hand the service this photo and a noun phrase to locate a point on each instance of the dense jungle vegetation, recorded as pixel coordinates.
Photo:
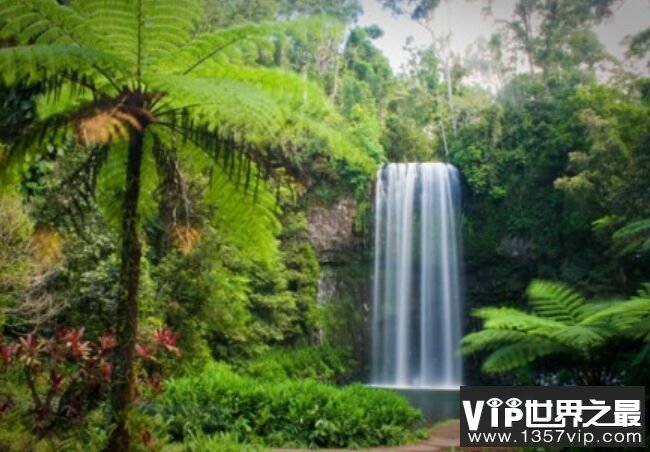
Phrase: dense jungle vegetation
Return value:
(159, 160)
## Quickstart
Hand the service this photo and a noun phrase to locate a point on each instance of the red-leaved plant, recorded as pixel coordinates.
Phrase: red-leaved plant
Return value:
(66, 375)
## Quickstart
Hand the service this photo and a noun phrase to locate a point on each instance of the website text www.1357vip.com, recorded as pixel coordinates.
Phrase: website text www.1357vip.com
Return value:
(594, 416)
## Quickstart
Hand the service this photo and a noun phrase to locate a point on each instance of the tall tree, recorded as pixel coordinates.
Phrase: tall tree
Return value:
(134, 77)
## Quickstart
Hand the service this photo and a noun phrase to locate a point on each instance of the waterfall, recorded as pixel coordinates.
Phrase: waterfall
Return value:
(417, 290)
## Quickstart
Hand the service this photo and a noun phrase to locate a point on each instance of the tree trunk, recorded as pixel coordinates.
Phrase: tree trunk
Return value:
(123, 384)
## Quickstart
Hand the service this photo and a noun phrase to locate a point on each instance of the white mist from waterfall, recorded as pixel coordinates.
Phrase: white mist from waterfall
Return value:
(417, 287)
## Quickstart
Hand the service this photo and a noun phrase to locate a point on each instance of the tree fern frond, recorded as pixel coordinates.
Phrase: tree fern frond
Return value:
(141, 31)
(16, 158)
(633, 229)
(50, 62)
(230, 106)
(244, 215)
(563, 323)
(242, 44)
(43, 22)
(489, 312)
(583, 336)
(555, 301)
(634, 237)
(517, 355)
(621, 316)
(489, 339)
(287, 88)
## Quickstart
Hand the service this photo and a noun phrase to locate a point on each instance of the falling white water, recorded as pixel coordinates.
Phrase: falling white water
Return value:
(417, 294)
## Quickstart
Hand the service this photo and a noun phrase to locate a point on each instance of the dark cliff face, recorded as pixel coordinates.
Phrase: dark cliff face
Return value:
(332, 231)
(345, 277)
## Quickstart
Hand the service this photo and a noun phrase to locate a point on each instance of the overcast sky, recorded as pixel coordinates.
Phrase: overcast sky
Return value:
(467, 23)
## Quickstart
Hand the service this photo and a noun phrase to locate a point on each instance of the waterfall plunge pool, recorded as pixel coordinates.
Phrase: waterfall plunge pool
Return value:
(436, 403)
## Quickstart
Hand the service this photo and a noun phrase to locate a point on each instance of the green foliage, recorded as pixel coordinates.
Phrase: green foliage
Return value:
(323, 363)
(562, 323)
(222, 303)
(302, 273)
(17, 436)
(636, 235)
(288, 413)
(17, 263)
(223, 442)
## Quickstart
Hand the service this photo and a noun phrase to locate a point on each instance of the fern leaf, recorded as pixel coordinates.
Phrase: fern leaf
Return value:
(141, 32)
(246, 218)
(489, 339)
(555, 301)
(243, 44)
(513, 319)
(47, 62)
(516, 355)
(230, 106)
(633, 229)
(582, 336)
(623, 316)
(43, 22)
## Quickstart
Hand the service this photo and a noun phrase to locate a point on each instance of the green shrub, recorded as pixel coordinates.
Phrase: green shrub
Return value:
(222, 442)
(285, 413)
(323, 363)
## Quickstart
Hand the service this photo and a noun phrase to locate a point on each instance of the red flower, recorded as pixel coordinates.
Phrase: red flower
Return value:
(166, 339)
(106, 342)
(29, 344)
(106, 370)
(156, 384)
(7, 352)
(143, 351)
(78, 348)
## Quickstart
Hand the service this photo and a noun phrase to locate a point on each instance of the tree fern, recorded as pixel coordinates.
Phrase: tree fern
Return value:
(43, 22)
(517, 355)
(489, 339)
(555, 301)
(561, 323)
(148, 71)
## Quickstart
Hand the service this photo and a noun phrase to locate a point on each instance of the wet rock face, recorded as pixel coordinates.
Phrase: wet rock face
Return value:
(331, 229)
(344, 283)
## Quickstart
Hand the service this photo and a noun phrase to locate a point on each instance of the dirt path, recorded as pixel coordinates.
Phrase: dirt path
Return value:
(444, 436)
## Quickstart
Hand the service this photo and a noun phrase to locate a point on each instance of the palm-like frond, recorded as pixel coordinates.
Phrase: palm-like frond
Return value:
(238, 45)
(224, 105)
(44, 22)
(555, 301)
(624, 316)
(516, 355)
(36, 63)
(245, 209)
(636, 236)
(489, 339)
(562, 322)
(140, 31)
